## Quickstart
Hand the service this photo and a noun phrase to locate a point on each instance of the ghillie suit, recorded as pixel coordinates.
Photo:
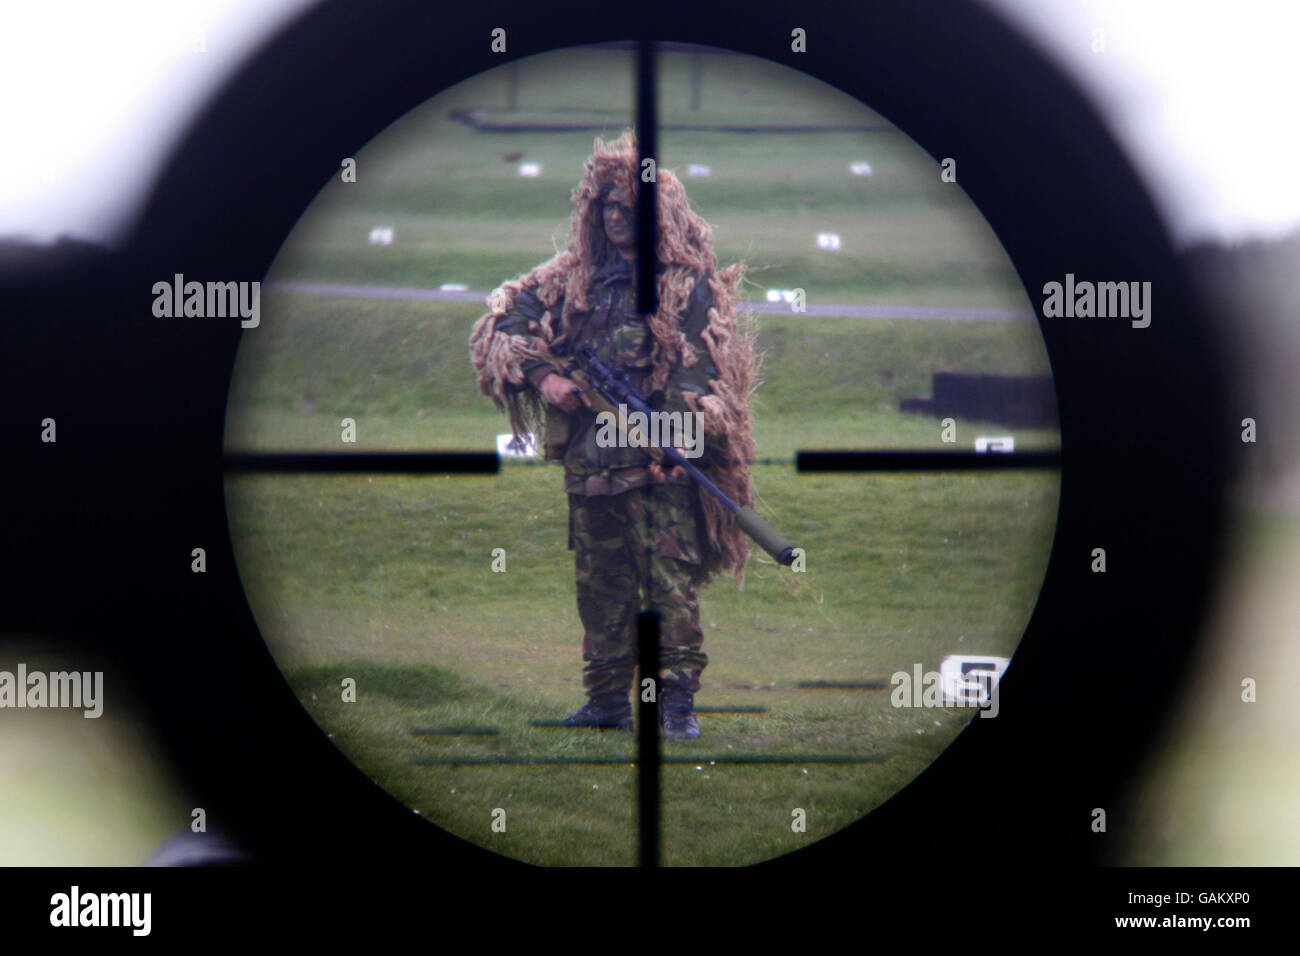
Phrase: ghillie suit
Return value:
(533, 317)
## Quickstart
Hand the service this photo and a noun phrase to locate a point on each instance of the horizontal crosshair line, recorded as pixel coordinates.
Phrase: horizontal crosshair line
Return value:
(712, 759)
(386, 462)
(562, 725)
(513, 461)
(731, 710)
(818, 461)
(489, 463)
(877, 460)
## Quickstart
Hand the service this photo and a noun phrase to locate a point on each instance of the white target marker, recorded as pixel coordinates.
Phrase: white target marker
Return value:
(509, 447)
(969, 678)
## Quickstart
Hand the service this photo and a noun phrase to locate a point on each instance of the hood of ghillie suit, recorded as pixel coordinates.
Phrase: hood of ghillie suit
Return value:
(685, 256)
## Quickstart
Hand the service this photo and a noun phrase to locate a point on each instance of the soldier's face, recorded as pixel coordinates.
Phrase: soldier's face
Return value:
(620, 225)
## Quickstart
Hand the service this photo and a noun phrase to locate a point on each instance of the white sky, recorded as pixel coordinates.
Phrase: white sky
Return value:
(1202, 96)
(93, 95)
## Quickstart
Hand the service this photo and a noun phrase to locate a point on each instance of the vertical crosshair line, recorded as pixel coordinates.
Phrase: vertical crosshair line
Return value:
(647, 298)
(647, 218)
(648, 757)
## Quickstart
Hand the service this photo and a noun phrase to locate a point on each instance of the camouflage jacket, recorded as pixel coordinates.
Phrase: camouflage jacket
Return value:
(620, 337)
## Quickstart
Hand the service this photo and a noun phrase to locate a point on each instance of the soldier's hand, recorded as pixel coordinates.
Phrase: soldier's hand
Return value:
(658, 474)
(564, 393)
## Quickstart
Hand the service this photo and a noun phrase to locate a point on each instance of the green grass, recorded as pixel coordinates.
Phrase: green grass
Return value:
(388, 580)
(462, 214)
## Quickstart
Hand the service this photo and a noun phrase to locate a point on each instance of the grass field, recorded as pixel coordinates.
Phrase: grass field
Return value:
(461, 214)
(387, 579)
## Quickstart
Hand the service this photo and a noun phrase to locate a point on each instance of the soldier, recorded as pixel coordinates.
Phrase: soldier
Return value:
(642, 536)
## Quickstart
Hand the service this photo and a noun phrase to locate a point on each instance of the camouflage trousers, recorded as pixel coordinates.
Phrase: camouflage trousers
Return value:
(637, 550)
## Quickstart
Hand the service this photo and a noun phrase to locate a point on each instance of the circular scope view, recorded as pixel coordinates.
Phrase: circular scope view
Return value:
(468, 282)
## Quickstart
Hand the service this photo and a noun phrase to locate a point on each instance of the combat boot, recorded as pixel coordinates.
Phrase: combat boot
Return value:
(679, 713)
(606, 711)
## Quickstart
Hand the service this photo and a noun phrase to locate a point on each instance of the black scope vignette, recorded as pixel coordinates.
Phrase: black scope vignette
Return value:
(151, 399)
